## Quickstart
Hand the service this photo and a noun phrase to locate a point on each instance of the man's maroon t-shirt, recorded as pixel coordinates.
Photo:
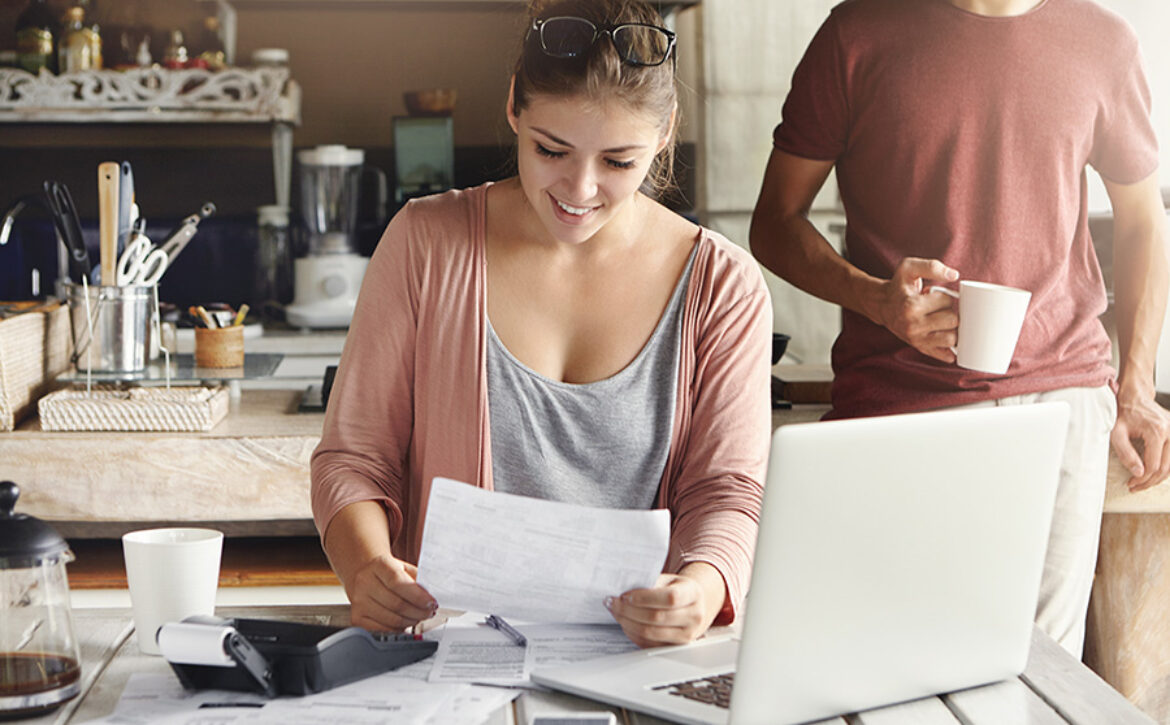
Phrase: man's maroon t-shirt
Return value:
(965, 138)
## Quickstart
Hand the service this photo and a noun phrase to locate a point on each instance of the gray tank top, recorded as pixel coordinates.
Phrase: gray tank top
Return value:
(600, 444)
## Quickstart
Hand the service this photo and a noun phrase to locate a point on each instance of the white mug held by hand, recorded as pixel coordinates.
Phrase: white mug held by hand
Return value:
(172, 574)
(990, 318)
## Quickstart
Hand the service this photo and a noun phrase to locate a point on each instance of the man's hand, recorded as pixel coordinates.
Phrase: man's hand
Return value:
(925, 321)
(384, 595)
(1141, 438)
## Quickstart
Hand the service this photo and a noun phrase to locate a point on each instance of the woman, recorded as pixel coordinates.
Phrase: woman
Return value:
(558, 334)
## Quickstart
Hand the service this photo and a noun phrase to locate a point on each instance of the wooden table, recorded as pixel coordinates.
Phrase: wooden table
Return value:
(1054, 688)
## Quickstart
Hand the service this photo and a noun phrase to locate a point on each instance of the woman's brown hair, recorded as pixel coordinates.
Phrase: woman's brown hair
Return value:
(600, 73)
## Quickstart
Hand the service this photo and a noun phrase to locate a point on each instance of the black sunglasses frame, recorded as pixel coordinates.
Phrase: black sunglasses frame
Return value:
(608, 30)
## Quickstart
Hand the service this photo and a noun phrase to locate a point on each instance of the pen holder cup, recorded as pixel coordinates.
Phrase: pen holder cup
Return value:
(219, 347)
(111, 327)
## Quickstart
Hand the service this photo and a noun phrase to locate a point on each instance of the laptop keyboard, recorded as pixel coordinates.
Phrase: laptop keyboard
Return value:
(713, 690)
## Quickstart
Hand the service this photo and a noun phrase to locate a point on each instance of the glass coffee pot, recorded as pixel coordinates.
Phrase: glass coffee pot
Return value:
(39, 662)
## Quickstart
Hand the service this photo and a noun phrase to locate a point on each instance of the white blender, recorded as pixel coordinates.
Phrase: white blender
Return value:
(327, 279)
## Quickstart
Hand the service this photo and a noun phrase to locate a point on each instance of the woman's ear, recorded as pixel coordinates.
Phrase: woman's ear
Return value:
(510, 111)
(668, 137)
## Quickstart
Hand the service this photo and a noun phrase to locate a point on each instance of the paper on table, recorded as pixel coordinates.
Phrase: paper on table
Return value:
(152, 699)
(533, 559)
(482, 654)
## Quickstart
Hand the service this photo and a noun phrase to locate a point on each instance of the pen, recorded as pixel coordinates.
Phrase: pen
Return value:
(203, 315)
(498, 623)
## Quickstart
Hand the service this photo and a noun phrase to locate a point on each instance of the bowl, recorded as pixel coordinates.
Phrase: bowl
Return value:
(779, 345)
(430, 101)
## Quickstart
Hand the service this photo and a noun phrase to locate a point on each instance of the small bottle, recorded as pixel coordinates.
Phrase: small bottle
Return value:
(211, 51)
(36, 32)
(274, 263)
(142, 56)
(175, 55)
(75, 50)
(94, 34)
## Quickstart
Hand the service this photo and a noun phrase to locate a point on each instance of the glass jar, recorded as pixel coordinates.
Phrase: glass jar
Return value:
(80, 45)
(39, 661)
(274, 266)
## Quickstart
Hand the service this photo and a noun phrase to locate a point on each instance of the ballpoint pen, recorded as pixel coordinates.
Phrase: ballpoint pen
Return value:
(498, 623)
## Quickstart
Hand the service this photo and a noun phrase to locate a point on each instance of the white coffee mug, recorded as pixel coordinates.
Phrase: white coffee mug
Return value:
(173, 573)
(990, 318)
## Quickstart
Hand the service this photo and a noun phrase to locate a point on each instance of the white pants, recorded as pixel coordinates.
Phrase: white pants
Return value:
(1076, 522)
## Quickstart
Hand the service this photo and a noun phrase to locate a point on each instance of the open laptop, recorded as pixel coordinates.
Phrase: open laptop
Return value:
(898, 557)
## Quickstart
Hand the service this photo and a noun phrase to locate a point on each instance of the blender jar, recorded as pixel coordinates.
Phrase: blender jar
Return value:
(330, 180)
(39, 661)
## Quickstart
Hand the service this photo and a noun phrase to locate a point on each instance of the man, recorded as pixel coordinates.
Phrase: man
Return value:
(960, 131)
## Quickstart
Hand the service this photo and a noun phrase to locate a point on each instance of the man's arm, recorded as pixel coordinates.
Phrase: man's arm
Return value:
(786, 242)
(1141, 436)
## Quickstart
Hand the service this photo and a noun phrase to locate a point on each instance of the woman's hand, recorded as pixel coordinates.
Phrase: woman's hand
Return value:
(383, 595)
(678, 609)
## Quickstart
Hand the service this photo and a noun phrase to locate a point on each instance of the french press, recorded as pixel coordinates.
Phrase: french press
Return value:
(39, 663)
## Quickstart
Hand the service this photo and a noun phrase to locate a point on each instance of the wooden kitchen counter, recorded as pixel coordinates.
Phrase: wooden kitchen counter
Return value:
(252, 467)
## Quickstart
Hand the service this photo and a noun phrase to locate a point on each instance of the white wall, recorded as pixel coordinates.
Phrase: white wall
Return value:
(750, 50)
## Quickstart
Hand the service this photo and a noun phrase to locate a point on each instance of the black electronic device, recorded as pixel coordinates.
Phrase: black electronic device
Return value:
(281, 658)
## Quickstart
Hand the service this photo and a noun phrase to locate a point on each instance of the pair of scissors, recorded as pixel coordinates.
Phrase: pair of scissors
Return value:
(141, 263)
(60, 203)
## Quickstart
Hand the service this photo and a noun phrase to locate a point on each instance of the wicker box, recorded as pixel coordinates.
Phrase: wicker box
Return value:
(133, 409)
(35, 348)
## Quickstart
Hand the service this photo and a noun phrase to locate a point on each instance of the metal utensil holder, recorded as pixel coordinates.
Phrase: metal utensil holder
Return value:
(111, 327)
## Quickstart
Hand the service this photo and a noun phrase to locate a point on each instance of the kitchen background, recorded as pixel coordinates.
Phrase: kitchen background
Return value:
(353, 59)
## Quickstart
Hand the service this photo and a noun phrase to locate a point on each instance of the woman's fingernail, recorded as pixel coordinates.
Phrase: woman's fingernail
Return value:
(609, 602)
(628, 598)
(433, 605)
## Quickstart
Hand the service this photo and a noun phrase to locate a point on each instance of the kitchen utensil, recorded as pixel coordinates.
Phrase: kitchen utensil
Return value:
(178, 238)
(64, 212)
(109, 175)
(39, 662)
(141, 263)
(125, 203)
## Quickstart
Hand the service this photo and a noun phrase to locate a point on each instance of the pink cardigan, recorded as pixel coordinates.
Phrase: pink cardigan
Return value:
(410, 399)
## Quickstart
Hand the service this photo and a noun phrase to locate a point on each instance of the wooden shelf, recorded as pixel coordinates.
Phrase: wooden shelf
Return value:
(150, 95)
(247, 562)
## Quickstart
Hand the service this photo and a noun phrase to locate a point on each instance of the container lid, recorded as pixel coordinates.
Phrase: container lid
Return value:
(24, 540)
(270, 56)
(332, 155)
(272, 215)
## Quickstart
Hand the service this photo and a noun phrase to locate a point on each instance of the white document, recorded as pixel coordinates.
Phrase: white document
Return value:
(537, 560)
(153, 699)
(484, 655)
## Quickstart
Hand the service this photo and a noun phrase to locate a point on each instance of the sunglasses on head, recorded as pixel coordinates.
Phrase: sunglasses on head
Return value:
(638, 44)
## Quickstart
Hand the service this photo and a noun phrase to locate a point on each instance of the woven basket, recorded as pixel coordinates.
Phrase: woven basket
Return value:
(219, 347)
(34, 349)
(133, 409)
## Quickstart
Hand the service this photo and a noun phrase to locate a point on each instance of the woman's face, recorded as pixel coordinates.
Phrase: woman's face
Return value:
(581, 161)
